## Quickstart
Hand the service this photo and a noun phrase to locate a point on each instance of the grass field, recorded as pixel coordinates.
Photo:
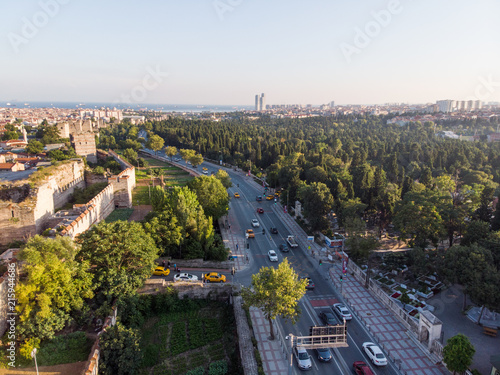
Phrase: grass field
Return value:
(119, 214)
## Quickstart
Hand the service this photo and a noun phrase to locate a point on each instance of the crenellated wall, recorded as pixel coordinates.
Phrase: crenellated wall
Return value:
(94, 211)
(24, 209)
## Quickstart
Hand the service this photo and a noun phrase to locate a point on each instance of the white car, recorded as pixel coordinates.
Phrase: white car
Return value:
(273, 257)
(205, 172)
(375, 354)
(303, 359)
(185, 277)
(341, 311)
(255, 223)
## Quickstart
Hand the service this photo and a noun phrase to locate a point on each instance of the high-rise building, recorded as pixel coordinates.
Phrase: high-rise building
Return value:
(332, 104)
(446, 105)
(262, 102)
(257, 103)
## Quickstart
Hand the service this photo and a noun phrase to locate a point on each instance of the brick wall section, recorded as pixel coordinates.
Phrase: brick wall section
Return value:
(85, 145)
(123, 183)
(96, 210)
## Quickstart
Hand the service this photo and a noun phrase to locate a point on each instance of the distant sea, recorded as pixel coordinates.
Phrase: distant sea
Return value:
(136, 106)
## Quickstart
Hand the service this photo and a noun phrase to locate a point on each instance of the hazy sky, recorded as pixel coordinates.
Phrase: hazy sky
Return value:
(226, 51)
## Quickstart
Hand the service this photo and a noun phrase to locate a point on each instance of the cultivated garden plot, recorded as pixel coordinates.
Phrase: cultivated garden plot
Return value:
(195, 342)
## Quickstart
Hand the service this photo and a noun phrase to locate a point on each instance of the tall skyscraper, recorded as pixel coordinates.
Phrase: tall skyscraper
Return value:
(262, 102)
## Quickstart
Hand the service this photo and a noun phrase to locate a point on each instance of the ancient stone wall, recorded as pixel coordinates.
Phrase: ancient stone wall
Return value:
(25, 208)
(95, 210)
(123, 183)
(85, 146)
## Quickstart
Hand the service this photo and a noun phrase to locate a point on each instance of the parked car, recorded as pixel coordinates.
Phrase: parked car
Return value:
(273, 230)
(310, 283)
(361, 368)
(328, 318)
(185, 277)
(324, 354)
(375, 354)
(236, 195)
(161, 271)
(255, 223)
(303, 359)
(273, 257)
(250, 233)
(341, 311)
(284, 247)
(214, 277)
(260, 210)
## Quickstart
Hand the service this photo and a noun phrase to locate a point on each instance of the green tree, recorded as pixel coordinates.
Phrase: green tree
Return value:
(52, 285)
(317, 202)
(418, 217)
(223, 177)
(131, 155)
(187, 154)
(405, 299)
(164, 229)
(458, 353)
(121, 254)
(476, 230)
(120, 351)
(277, 292)
(155, 143)
(212, 195)
(34, 147)
(196, 160)
(495, 221)
(171, 151)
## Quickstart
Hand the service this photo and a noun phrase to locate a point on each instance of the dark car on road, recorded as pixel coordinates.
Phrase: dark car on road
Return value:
(328, 318)
(258, 198)
(324, 354)
(310, 283)
(273, 230)
(284, 247)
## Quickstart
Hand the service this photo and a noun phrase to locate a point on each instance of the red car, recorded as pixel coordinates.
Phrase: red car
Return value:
(361, 368)
(260, 210)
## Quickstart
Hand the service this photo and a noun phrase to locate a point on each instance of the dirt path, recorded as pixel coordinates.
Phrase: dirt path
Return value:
(66, 369)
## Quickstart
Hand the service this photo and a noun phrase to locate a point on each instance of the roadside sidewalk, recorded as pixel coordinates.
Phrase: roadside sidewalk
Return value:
(386, 329)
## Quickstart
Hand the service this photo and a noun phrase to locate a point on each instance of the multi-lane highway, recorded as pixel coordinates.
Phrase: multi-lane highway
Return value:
(321, 298)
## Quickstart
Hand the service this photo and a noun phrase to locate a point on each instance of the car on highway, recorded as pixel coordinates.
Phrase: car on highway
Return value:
(269, 198)
(273, 230)
(255, 223)
(205, 168)
(303, 359)
(250, 233)
(214, 277)
(361, 368)
(185, 277)
(328, 318)
(260, 210)
(341, 311)
(161, 271)
(258, 198)
(375, 354)
(310, 283)
(284, 247)
(205, 172)
(236, 195)
(273, 257)
(324, 354)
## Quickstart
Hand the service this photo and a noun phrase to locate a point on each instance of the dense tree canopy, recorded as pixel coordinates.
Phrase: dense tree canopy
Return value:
(52, 284)
(121, 255)
(212, 195)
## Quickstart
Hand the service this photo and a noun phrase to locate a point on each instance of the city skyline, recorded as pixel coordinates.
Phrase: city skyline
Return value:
(222, 52)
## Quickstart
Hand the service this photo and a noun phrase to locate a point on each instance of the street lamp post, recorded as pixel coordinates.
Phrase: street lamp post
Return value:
(33, 355)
